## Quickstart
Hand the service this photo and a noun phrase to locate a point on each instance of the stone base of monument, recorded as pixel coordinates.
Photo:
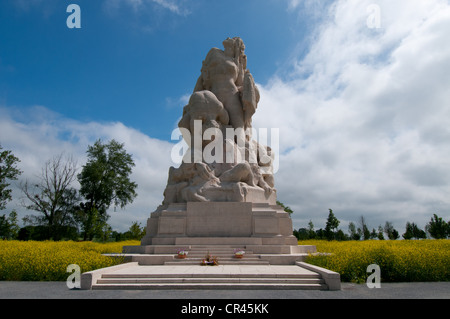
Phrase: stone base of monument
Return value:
(262, 228)
(272, 258)
(193, 222)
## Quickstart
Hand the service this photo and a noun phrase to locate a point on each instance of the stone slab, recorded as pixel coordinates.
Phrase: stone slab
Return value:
(219, 219)
(238, 276)
(332, 279)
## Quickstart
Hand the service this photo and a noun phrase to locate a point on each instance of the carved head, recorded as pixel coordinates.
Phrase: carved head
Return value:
(235, 46)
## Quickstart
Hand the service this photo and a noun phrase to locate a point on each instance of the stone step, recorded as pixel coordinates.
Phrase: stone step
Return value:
(206, 247)
(209, 275)
(217, 251)
(210, 281)
(210, 286)
(204, 280)
(223, 258)
(201, 256)
(221, 262)
(236, 276)
(222, 253)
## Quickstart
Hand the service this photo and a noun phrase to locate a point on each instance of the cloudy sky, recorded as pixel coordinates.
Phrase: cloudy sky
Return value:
(360, 91)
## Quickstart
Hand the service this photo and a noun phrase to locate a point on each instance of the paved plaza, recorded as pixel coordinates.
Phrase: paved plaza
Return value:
(59, 290)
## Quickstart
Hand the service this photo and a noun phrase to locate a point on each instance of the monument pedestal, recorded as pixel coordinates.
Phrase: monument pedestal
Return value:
(225, 220)
(262, 228)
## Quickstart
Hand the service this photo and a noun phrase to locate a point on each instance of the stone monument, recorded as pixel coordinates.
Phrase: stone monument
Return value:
(220, 203)
(223, 193)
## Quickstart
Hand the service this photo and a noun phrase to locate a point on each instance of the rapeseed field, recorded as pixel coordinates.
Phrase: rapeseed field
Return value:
(48, 261)
(399, 261)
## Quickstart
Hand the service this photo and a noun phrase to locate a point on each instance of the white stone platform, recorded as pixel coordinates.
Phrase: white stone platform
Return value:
(255, 253)
(133, 276)
(273, 259)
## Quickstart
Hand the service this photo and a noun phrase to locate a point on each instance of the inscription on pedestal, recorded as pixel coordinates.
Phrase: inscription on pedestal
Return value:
(219, 219)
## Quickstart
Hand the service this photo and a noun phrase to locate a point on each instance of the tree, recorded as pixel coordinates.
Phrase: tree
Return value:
(340, 235)
(9, 229)
(390, 231)
(105, 232)
(380, 235)
(363, 230)
(53, 196)
(354, 234)
(92, 221)
(437, 228)
(311, 232)
(373, 234)
(8, 172)
(105, 180)
(413, 231)
(287, 209)
(331, 225)
(320, 234)
(136, 231)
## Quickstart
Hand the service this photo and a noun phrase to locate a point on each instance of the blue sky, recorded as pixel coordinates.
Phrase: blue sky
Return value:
(360, 96)
(130, 62)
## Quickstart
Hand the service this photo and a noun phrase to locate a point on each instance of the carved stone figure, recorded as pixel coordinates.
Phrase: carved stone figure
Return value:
(221, 167)
(225, 74)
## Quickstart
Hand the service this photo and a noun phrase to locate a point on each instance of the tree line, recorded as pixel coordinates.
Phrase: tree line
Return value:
(64, 212)
(436, 228)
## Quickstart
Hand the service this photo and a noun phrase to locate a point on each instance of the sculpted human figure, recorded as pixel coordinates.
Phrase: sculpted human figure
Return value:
(203, 106)
(225, 74)
(192, 179)
(218, 167)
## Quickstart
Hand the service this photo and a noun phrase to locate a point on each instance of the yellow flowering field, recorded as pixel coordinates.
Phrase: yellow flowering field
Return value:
(48, 261)
(399, 261)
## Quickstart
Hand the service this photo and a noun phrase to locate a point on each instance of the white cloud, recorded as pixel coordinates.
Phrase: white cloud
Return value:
(38, 134)
(174, 6)
(364, 117)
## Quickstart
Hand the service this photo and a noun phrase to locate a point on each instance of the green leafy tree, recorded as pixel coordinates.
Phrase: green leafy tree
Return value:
(340, 235)
(363, 230)
(331, 225)
(390, 231)
(287, 209)
(92, 221)
(105, 232)
(380, 235)
(311, 231)
(437, 228)
(354, 234)
(135, 231)
(9, 228)
(105, 181)
(8, 172)
(413, 231)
